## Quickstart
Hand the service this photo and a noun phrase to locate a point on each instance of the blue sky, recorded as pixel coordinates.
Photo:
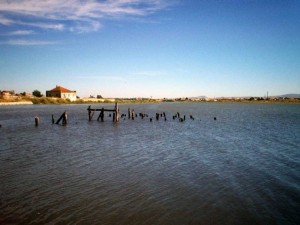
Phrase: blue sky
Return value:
(151, 48)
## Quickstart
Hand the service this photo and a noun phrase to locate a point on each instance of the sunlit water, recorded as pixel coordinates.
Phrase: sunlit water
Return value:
(242, 168)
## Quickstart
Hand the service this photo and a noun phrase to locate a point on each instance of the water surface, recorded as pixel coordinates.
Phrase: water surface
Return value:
(242, 168)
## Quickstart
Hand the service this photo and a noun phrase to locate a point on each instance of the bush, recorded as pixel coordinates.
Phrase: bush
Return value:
(37, 93)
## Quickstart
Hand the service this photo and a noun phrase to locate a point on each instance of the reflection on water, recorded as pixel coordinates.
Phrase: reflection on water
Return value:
(242, 168)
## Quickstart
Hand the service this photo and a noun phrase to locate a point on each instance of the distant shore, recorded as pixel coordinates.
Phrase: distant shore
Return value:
(17, 103)
(59, 101)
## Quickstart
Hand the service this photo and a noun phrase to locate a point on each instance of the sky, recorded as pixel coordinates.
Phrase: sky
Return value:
(151, 48)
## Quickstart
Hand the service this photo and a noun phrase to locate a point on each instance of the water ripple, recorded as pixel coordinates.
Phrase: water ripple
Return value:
(241, 167)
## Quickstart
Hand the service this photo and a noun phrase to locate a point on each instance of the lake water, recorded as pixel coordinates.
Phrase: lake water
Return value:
(242, 168)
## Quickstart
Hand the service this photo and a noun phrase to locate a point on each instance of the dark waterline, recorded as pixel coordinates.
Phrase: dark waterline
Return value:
(243, 168)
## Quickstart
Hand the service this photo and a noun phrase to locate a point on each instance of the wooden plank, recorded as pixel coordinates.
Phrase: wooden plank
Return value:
(106, 110)
(64, 118)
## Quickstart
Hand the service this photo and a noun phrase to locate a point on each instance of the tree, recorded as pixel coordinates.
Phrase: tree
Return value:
(37, 93)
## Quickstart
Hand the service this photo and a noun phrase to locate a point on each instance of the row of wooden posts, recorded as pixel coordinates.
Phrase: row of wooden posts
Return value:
(131, 114)
(116, 111)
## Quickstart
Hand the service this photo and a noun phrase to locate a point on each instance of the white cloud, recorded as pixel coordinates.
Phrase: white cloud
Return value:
(50, 26)
(27, 42)
(21, 32)
(85, 14)
(85, 27)
(5, 21)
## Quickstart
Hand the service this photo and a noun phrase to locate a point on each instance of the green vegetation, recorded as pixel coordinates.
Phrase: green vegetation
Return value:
(37, 93)
(45, 100)
(48, 100)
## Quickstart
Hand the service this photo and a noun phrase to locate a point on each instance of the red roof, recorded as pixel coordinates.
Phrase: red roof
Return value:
(60, 89)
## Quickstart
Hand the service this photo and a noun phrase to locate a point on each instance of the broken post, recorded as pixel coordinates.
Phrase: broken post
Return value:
(37, 121)
(64, 118)
(129, 113)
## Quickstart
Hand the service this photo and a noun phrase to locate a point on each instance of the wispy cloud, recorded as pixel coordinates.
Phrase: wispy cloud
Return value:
(20, 33)
(27, 42)
(75, 15)
(48, 26)
(5, 21)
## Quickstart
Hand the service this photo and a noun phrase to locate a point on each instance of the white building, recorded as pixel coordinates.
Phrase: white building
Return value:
(61, 92)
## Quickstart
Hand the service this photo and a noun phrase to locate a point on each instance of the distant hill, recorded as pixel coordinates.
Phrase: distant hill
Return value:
(198, 97)
(289, 96)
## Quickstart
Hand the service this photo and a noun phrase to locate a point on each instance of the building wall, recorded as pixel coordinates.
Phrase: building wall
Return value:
(64, 95)
(69, 95)
(53, 94)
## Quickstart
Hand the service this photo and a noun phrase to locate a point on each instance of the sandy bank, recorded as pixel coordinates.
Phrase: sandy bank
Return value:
(16, 103)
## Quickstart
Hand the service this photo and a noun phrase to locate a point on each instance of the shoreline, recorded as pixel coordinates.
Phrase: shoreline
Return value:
(144, 102)
(16, 103)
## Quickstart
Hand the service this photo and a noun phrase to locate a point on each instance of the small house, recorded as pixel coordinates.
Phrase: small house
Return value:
(61, 92)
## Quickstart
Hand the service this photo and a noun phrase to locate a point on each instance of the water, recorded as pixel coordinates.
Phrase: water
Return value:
(243, 168)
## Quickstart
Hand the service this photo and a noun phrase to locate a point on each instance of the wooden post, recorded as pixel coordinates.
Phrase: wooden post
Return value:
(102, 114)
(65, 119)
(132, 114)
(114, 117)
(89, 109)
(117, 112)
(129, 113)
(37, 121)
(53, 119)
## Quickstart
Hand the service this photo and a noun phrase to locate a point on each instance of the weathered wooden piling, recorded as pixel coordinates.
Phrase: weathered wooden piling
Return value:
(129, 113)
(64, 119)
(37, 121)
(102, 110)
(157, 116)
(91, 113)
(101, 115)
(117, 112)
